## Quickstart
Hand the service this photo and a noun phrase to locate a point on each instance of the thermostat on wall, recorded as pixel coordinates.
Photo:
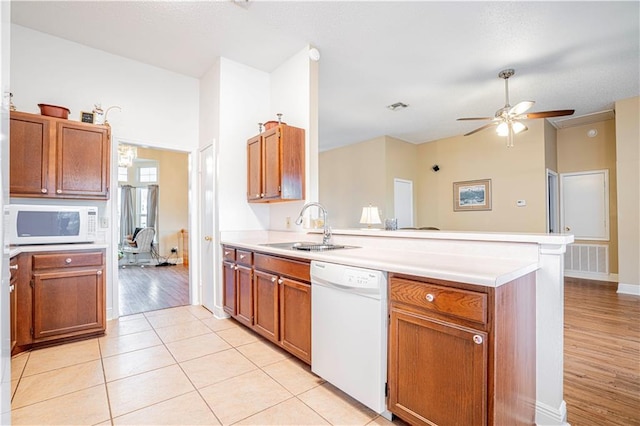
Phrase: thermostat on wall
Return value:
(521, 203)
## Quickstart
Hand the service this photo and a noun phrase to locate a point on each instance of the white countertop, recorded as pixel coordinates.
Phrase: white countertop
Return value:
(489, 271)
(15, 250)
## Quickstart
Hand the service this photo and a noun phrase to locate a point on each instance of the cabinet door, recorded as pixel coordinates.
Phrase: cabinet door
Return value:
(295, 318)
(254, 169)
(68, 302)
(272, 166)
(437, 371)
(265, 302)
(13, 303)
(82, 160)
(244, 296)
(29, 150)
(229, 289)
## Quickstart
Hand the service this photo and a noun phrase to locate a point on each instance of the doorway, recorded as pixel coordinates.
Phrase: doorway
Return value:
(154, 276)
(403, 202)
(552, 202)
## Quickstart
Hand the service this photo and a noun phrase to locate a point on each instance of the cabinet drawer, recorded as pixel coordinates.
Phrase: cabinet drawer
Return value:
(244, 257)
(281, 266)
(228, 254)
(450, 301)
(67, 260)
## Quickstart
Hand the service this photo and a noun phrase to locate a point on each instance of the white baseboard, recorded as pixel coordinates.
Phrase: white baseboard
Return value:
(219, 313)
(551, 416)
(632, 289)
(592, 276)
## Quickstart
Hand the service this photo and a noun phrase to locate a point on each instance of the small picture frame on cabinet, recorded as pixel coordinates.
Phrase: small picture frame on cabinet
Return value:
(86, 117)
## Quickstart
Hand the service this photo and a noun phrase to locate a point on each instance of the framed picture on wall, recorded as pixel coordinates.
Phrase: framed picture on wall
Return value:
(472, 195)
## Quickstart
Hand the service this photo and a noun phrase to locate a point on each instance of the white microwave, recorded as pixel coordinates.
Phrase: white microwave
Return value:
(48, 224)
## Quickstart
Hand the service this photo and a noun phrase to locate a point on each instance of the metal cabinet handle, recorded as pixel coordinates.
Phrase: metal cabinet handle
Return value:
(67, 260)
(429, 297)
(477, 339)
(14, 267)
(273, 279)
(44, 190)
(280, 281)
(12, 287)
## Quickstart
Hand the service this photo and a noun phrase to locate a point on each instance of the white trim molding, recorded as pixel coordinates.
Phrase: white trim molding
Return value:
(632, 289)
(547, 415)
(592, 276)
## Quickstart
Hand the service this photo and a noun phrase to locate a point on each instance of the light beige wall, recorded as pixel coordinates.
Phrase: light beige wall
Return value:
(550, 146)
(352, 177)
(516, 173)
(577, 152)
(401, 163)
(628, 194)
(173, 204)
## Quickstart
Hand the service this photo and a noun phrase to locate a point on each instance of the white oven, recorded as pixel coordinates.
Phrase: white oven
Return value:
(49, 224)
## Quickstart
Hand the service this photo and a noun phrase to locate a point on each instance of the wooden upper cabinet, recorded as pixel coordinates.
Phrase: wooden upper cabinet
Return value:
(275, 165)
(30, 137)
(56, 158)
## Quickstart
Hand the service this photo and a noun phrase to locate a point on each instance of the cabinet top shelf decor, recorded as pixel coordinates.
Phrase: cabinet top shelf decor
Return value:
(276, 165)
(51, 157)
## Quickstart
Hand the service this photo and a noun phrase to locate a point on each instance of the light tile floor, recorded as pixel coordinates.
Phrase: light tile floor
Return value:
(176, 366)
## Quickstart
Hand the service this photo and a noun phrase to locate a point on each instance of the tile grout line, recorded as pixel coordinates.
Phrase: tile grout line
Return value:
(106, 388)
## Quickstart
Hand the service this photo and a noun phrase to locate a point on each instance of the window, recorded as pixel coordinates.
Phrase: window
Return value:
(123, 174)
(148, 174)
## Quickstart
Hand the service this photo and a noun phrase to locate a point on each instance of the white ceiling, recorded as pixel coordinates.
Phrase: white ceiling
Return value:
(441, 58)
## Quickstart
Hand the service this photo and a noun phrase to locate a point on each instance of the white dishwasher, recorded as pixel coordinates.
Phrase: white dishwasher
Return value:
(349, 331)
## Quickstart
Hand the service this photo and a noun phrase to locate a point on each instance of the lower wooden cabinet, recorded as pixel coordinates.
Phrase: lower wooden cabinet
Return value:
(272, 296)
(13, 301)
(61, 296)
(461, 356)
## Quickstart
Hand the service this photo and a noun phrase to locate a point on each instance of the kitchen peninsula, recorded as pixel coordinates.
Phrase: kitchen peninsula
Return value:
(493, 278)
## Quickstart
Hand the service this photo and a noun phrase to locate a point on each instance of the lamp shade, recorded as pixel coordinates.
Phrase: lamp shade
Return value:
(370, 216)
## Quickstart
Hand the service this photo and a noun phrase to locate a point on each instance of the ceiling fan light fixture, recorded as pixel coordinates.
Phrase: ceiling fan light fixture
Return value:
(503, 129)
(518, 127)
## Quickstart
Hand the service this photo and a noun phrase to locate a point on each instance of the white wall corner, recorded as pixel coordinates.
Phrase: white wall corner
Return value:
(632, 289)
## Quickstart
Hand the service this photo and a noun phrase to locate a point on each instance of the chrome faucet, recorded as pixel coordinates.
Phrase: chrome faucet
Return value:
(326, 234)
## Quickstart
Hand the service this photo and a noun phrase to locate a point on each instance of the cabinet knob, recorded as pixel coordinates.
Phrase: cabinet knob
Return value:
(262, 195)
(43, 190)
(429, 297)
(280, 281)
(273, 279)
(98, 272)
(235, 267)
(12, 287)
(257, 195)
(242, 256)
(67, 260)
(14, 267)
(567, 228)
(58, 191)
(226, 253)
(477, 339)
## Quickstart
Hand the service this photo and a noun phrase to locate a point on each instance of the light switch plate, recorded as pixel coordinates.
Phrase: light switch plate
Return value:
(521, 203)
(104, 222)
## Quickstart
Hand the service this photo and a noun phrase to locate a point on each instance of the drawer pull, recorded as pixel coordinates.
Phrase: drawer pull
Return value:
(280, 281)
(14, 267)
(58, 191)
(242, 256)
(11, 288)
(273, 279)
(226, 253)
(43, 190)
(235, 267)
(477, 339)
(98, 272)
(67, 260)
(429, 297)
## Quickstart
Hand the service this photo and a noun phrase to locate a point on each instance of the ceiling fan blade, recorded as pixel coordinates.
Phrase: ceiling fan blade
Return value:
(474, 118)
(521, 107)
(481, 128)
(546, 114)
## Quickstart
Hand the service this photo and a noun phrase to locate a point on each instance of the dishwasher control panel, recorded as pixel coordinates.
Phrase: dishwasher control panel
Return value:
(361, 278)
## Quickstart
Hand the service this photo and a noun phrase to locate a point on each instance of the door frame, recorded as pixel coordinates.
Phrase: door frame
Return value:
(553, 202)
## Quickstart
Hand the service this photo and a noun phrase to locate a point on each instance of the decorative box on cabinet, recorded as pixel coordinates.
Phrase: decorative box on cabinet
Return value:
(57, 158)
(275, 165)
(462, 354)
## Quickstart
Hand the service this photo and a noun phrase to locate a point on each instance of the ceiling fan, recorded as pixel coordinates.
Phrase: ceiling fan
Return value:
(507, 119)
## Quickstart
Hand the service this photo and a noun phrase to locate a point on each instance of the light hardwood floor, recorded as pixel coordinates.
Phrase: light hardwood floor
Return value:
(601, 354)
(152, 288)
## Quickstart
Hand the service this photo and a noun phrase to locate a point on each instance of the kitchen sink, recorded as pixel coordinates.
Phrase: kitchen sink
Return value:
(307, 246)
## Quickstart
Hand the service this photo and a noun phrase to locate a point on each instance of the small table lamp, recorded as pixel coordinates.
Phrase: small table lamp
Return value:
(370, 216)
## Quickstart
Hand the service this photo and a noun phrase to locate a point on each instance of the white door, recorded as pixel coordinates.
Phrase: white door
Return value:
(585, 204)
(403, 202)
(552, 202)
(207, 243)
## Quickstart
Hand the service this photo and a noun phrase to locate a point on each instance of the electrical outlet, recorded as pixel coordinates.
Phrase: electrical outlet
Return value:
(174, 249)
(288, 222)
(104, 222)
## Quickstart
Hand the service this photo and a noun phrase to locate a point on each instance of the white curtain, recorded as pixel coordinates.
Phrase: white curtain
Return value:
(152, 206)
(127, 212)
